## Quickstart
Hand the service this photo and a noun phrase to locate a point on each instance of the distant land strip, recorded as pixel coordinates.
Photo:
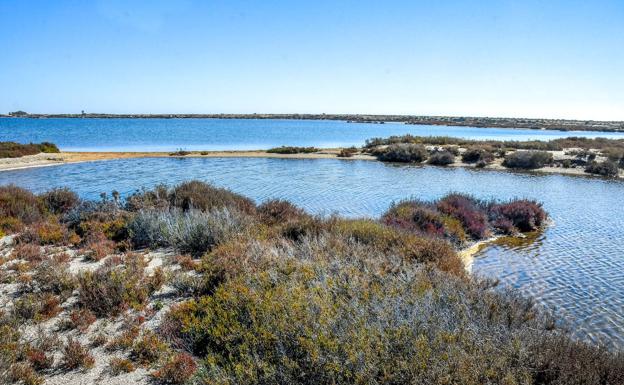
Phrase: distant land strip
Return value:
(527, 123)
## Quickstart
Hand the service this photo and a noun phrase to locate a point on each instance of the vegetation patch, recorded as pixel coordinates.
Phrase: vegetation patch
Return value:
(17, 150)
(292, 150)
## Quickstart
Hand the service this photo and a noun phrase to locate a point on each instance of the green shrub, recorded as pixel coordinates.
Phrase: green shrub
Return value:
(405, 152)
(606, 168)
(528, 159)
(177, 371)
(17, 150)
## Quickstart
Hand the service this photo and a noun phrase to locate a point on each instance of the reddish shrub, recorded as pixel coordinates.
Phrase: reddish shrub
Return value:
(81, 319)
(21, 204)
(178, 370)
(524, 214)
(76, 356)
(466, 209)
(279, 211)
(39, 359)
(28, 252)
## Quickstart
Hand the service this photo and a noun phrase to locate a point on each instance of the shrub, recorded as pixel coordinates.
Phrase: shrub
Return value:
(52, 276)
(336, 321)
(38, 359)
(292, 150)
(468, 211)
(405, 152)
(21, 204)
(528, 159)
(180, 152)
(148, 349)
(17, 150)
(28, 252)
(441, 158)
(347, 152)
(49, 232)
(277, 211)
(177, 371)
(606, 168)
(76, 356)
(477, 154)
(111, 289)
(120, 365)
(204, 197)
(60, 200)
(193, 231)
(81, 319)
(24, 373)
(524, 215)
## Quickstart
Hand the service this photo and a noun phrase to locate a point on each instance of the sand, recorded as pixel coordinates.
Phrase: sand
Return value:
(43, 160)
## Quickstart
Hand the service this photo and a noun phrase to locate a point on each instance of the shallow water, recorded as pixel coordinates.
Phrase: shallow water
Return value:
(236, 134)
(576, 266)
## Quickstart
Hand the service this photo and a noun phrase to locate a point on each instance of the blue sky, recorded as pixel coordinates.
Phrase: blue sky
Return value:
(486, 58)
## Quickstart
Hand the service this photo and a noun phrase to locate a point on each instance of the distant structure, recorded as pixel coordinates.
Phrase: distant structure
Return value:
(18, 114)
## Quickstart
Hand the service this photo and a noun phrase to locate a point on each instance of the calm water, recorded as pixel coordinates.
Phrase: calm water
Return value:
(576, 267)
(234, 134)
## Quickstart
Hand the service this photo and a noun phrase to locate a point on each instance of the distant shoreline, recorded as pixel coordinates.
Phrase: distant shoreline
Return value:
(481, 122)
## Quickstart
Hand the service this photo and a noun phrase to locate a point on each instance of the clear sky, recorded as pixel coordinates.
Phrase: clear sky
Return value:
(526, 58)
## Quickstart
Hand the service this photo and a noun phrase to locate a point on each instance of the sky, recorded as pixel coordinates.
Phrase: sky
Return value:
(537, 59)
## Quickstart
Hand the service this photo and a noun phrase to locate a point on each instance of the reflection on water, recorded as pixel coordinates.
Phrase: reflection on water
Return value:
(575, 266)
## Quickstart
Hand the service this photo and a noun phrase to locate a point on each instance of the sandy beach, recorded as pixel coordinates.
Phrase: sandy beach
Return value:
(44, 159)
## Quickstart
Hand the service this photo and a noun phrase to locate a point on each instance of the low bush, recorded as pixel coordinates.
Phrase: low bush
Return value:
(347, 152)
(476, 154)
(25, 374)
(441, 158)
(523, 215)
(60, 200)
(180, 152)
(606, 168)
(148, 349)
(76, 356)
(111, 289)
(468, 211)
(17, 150)
(80, 319)
(177, 371)
(21, 204)
(202, 196)
(292, 150)
(193, 231)
(405, 152)
(275, 211)
(118, 366)
(38, 359)
(528, 159)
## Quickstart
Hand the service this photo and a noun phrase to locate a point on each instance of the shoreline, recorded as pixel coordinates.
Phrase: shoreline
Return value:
(451, 121)
(62, 158)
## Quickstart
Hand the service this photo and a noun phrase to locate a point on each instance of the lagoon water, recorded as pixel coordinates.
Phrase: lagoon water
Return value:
(236, 134)
(575, 267)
